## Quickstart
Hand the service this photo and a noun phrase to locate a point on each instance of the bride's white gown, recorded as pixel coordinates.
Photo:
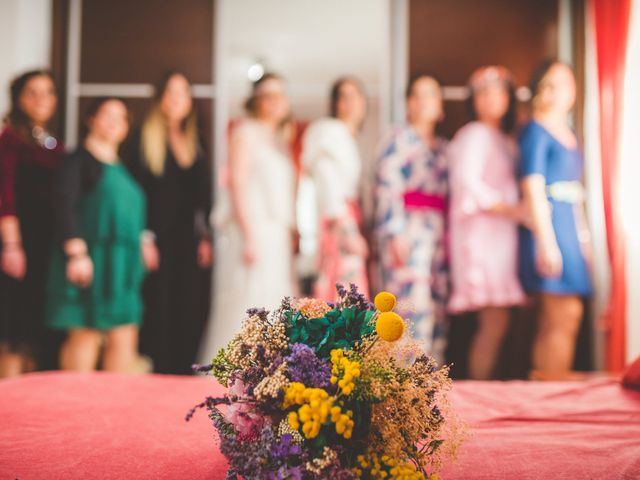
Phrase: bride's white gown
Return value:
(271, 201)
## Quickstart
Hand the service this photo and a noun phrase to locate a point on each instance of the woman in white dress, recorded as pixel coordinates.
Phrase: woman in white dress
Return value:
(330, 155)
(254, 244)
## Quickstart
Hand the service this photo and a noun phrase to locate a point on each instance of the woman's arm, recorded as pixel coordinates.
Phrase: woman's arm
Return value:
(202, 185)
(203, 210)
(584, 235)
(534, 148)
(549, 258)
(469, 153)
(239, 169)
(322, 155)
(132, 156)
(13, 262)
(67, 192)
(10, 231)
(390, 209)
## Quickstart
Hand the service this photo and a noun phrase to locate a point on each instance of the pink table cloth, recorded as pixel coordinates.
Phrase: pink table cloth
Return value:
(102, 426)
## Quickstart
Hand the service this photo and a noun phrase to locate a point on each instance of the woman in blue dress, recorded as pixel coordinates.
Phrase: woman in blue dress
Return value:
(555, 249)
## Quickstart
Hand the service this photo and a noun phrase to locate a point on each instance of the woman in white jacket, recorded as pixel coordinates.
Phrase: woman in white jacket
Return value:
(331, 156)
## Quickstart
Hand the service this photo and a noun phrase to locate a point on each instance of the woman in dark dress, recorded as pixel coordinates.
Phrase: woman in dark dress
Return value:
(167, 160)
(29, 155)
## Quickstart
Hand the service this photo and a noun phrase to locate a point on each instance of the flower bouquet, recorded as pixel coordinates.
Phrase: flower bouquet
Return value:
(317, 390)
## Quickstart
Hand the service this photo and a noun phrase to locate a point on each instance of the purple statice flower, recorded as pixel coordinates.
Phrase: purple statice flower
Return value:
(340, 473)
(266, 457)
(286, 304)
(304, 366)
(352, 298)
(259, 312)
(283, 452)
(198, 368)
(285, 448)
(275, 364)
(209, 403)
(250, 376)
(286, 473)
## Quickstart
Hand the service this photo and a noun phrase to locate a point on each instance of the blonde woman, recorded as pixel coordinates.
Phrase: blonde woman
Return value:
(167, 160)
(255, 240)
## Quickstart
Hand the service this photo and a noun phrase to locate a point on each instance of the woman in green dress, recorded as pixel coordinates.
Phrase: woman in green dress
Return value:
(97, 269)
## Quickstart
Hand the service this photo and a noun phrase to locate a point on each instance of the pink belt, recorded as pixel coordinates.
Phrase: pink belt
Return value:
(417, 200)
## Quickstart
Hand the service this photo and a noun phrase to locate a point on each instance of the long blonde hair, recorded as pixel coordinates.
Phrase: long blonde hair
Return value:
(154, 138)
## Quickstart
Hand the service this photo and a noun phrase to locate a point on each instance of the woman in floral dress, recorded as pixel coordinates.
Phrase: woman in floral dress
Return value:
(410, 215)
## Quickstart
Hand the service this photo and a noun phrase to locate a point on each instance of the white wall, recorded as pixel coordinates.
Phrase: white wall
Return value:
(630, 177)
(310, 43)
(25, 40)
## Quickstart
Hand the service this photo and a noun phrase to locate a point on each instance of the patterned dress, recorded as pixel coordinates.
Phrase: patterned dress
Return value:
(411, 191)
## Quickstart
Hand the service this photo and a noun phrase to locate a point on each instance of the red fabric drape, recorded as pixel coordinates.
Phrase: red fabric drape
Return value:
(611, 18)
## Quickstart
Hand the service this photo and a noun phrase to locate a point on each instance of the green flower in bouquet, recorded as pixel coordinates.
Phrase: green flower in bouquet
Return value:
(340, 327)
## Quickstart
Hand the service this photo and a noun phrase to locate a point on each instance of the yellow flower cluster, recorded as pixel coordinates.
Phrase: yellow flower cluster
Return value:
(385, 467)
(350, 370)
(344, 422)
(316, 406)
(384, 301)
(390, 326)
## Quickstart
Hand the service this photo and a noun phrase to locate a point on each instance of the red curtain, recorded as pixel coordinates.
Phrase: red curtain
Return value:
(611, 18)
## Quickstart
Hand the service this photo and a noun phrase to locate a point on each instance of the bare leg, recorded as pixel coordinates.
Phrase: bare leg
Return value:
(493, 323)
(10, 364)
(80, 351)
(555, 342)
(122, 349)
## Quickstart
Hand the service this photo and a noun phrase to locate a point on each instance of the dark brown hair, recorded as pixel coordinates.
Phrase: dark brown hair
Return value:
(17, 118)
(95, 106)
(413, 79)
(334, 94)
(508, 121)
(540, 72)
(250, 105)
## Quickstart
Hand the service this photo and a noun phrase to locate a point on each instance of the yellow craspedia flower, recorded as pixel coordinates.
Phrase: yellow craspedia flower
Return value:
(385, 301)
(390, 326)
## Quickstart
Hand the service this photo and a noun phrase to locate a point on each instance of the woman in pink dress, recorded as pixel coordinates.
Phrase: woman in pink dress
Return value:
(484, 216)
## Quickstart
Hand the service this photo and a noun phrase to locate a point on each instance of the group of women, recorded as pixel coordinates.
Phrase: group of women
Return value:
(491, 220)
(79, 230)
(480, 223)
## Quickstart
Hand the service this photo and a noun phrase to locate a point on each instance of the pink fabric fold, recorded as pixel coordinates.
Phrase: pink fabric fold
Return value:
(417, 200)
